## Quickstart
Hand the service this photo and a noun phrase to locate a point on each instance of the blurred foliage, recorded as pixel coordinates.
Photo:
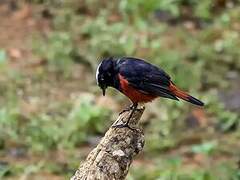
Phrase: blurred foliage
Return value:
(143, 8)
(58, 50)
(174, 168)
(2, 56)
(206, 147)
(44, 132)
(196, 42)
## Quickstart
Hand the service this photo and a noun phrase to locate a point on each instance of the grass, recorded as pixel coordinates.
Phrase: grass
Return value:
(45, 110)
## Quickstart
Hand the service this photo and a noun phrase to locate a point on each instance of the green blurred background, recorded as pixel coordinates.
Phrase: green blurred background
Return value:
(52, 112)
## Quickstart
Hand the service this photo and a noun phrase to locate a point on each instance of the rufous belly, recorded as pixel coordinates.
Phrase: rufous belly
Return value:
(133, 94)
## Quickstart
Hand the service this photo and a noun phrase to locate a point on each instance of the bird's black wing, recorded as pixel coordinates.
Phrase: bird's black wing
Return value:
(146, 77)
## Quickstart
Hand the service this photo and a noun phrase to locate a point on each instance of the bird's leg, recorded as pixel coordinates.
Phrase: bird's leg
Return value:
(126, 124)
(129, 108)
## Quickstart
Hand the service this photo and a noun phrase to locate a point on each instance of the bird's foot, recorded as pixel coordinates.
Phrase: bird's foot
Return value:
(123, 125)
(129, 108)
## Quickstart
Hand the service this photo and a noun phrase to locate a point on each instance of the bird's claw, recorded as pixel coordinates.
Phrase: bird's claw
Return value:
(129, 108)
(123, 125)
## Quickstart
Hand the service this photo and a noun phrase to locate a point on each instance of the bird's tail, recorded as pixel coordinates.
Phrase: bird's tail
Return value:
(183, 95)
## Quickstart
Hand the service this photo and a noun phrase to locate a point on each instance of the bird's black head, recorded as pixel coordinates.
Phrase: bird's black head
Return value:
(105, 74)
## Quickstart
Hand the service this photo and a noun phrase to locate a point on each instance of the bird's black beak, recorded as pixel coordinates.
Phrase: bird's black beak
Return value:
(103, 90)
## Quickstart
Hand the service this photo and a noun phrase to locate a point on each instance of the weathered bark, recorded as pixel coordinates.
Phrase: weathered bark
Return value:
(111, 159)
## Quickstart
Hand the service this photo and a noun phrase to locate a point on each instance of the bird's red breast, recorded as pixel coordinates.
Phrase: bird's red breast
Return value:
(135, 95)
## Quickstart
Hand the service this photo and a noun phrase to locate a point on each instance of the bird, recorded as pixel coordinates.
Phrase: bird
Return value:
(140, 81)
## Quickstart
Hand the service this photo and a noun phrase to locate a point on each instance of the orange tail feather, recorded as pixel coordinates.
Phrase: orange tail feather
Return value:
(183, 95)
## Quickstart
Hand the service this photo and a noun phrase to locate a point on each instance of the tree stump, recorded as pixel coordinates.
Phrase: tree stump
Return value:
(112, 157)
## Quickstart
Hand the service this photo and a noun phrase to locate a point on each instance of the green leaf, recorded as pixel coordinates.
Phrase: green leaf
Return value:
(3, 56)
(206, 147)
